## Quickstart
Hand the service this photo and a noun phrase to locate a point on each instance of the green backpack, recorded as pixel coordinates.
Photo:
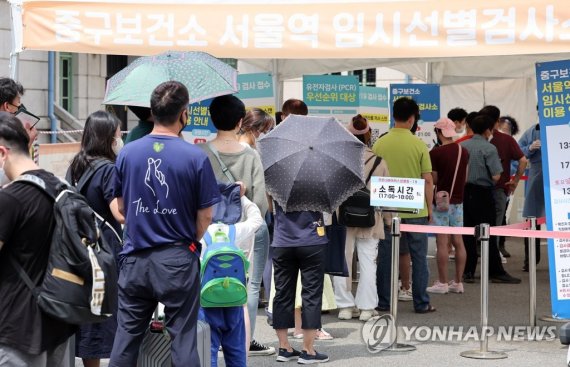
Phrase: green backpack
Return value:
(223, 269)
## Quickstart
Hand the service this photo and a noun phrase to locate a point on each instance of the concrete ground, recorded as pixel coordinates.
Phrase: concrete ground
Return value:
(508, 306)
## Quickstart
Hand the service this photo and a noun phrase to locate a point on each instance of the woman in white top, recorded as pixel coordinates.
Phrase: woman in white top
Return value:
(364, 240)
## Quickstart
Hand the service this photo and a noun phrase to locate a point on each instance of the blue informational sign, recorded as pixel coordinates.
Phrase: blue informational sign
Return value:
(428, 99)
(425, 95)
(258, 85)
(373, 97)
(553, 85)
(200, 127)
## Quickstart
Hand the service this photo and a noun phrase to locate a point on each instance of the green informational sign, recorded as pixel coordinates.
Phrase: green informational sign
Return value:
(332, 95)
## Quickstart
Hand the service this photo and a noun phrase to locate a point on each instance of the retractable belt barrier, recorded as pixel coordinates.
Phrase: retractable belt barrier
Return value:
(482, 233)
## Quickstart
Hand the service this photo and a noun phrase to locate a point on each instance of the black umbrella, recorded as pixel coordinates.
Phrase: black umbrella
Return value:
(311, 163)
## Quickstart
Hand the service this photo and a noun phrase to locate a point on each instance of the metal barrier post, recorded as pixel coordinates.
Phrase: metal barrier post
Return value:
(396, 347)
(532, 273)
(482, 234)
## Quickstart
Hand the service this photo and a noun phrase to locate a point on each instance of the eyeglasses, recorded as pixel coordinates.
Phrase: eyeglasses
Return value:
(18, 108)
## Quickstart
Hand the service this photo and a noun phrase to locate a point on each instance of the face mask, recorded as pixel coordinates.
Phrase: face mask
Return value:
(461, 132)
(118, 145)
(490, 138)
(3, 178)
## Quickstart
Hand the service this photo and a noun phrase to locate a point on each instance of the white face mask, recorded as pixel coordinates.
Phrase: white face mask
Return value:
(461, 131)
(490, 138)
(118, 145)
(3, 178)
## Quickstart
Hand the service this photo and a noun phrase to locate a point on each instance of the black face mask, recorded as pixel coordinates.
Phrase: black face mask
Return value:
(414, 127)
(184, 124)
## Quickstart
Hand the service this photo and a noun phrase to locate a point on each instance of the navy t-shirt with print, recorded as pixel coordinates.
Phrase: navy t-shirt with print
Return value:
(163, 181)
(297, 229)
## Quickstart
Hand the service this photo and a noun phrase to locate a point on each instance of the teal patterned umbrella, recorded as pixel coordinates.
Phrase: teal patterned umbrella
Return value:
(204, 76)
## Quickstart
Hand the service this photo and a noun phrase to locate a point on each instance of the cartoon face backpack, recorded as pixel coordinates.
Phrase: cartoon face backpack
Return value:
(224, 266)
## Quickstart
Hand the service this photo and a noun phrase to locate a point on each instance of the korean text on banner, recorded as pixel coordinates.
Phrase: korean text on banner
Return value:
(427, 96)
(395, 192)
(374, 107)
(256, 90)
(553, 84)
(309, 30)
(332, 95)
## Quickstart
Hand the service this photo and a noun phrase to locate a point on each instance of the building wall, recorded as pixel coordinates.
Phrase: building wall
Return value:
(33, 71)
(89, 73)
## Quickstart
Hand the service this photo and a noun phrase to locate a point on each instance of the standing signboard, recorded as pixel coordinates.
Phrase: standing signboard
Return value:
(553, 84)
(332, 95)
(374, 107)
(256, 90)
(427, 96)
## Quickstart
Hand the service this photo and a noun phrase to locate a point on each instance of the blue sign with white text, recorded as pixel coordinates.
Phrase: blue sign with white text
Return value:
(427, 96)
(553, 86)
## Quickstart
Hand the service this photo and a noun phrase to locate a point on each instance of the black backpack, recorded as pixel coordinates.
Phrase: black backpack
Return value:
(356, 210)
(80, 282)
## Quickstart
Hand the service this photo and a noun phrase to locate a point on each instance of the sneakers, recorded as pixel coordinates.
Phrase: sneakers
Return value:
(258, 349)
(405, 295)
(503, 259)
(348, 313)
(468, 278)
(455, 287)
(438, 287)
(322, 334)
(306, 358)
(505, 279)
(366, 315)
(504, 251)
(285, 356)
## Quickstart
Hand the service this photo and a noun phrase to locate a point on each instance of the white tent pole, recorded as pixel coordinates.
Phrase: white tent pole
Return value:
(429, 76)
(277, 84)
(15, 16)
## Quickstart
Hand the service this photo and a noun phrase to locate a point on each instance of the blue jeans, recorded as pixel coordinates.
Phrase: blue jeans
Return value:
(417, 243)
(227, 330)
(260, 249)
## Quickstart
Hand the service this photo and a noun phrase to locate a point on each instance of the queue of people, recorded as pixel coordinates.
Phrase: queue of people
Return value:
(164, 189)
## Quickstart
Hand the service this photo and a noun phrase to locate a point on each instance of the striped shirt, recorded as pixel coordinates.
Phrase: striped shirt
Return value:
(484, 161)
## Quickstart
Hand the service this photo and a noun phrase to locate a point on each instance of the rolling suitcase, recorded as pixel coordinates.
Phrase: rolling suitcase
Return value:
(155, 348)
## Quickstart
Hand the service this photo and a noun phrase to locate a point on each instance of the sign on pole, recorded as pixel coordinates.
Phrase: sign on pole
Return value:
(374, 107)
(553, 84)
(427, 96)
(332, 95)
(256, 90)
(396, 192)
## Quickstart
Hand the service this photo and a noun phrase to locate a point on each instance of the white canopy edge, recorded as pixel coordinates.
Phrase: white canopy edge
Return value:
(444, 71)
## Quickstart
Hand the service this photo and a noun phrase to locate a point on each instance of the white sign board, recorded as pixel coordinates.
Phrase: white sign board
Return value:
(559, 169)
(396, 192)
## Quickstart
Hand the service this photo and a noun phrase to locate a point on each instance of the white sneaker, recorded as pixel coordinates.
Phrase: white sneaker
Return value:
(438, 287)
(503, 259)
(455, 287)
(366, 315)
(345, 313)
(405, 295)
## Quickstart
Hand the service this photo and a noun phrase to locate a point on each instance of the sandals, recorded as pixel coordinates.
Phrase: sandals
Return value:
(428, 309)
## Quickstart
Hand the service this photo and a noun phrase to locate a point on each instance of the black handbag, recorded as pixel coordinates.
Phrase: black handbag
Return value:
(335, 261)
(356, 210)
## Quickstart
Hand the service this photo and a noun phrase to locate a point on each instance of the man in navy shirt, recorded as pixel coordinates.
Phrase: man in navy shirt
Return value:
(166, 189)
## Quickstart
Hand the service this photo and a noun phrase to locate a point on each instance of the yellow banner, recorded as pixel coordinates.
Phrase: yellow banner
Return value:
(338, 30)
